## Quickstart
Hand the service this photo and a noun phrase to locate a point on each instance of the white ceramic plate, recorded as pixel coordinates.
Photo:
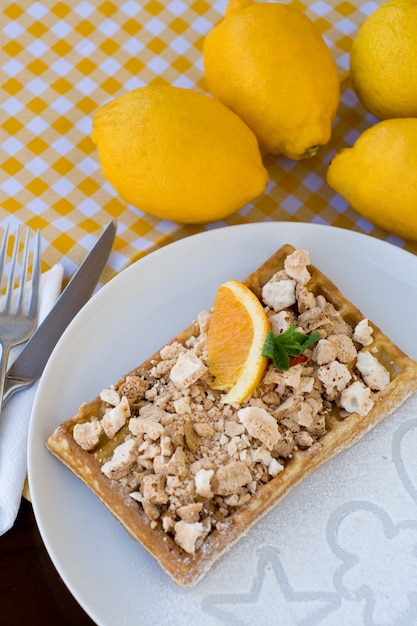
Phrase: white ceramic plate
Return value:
(277, 564)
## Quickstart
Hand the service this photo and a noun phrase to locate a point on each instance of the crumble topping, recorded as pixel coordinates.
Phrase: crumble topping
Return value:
(187, 458)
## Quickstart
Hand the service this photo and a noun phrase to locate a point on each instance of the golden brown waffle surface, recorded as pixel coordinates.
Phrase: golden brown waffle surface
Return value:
(233, 507)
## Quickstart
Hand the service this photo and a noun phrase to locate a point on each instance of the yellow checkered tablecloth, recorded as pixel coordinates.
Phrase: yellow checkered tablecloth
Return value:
(60, 60)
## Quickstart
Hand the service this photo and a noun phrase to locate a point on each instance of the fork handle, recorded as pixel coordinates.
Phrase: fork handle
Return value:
(6, 347)
(12, 385)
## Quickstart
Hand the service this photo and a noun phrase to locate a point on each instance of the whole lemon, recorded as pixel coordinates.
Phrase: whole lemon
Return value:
(178, 154)
(270, 65)
(383, 60)
(378, 176)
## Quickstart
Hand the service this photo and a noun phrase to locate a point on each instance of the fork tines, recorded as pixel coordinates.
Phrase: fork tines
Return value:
(18, 273)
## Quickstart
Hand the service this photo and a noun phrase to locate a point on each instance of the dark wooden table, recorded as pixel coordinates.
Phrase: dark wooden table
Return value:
(31, 590)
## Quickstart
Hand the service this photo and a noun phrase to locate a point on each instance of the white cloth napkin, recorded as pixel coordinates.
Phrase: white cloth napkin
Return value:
(14, 418)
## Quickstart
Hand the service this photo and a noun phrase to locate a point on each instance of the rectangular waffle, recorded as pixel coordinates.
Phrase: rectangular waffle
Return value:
(171, 462)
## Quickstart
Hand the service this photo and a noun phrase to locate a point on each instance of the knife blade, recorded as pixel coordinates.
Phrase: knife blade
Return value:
(29, 365)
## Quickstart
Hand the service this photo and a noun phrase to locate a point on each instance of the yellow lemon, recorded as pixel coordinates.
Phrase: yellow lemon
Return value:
(270, 65)
(383, 60)
(235, 339)
(178, 154)
(378, 176)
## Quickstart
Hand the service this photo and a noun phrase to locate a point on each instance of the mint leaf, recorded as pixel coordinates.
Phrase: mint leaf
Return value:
(289, 343)
(276, 352)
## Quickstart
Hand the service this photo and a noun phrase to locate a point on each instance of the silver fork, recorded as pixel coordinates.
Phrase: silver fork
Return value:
(18, 320)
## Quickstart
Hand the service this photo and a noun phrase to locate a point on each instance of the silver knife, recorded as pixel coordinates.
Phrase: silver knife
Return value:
(29, 365)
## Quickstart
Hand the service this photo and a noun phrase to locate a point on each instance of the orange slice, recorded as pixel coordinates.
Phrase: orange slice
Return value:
(235, 338)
